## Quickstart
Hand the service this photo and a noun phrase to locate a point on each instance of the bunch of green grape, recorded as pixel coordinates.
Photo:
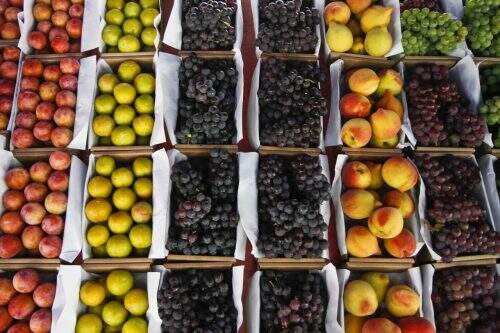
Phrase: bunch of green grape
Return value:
(491, 111)
(482, 18)
(427, 32)
(490, 81)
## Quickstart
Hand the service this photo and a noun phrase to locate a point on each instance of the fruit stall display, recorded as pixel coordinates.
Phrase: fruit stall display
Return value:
(375, 200)
(53, 26)
(9, 26)
(287, 26)
(301, 300)
(201, 297)
(125, 104)
(37, 200)
(431, 28)
(205, 25)
(443, 105)
(363, 27)
(9, 62)
(129, 26)
(286, 104)
(122, 199)
(462, 299)
(490, 109)
(288, 210)
(204, 219)
(45, 109)
(456, 216)
(26, 298)
(482, 19)
(367, 108)
(382, 302)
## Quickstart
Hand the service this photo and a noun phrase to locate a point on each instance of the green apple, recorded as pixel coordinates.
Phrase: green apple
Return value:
(105, 165)
(129, 43)
(132, 9)
(105, 104)
(148, 16)
(111, 4)
(124, 114)
(140, 236)
(123, 136)
(149, 3)
(142, 167)
(124, 93)
(144, 104)
(111, 34)
(114, 16)
(148, 36)
(122, 177)
(107, 82)
(91, 323)
(114, 313)
(144, 83)
(132, 26)
(128, 70)
(135, 325)
(103, 125)
(143, 125)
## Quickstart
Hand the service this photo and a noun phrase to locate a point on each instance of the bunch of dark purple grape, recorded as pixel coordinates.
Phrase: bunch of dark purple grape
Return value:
(433, 5)
(459, 222)
(208, 24)
(465, 301)
(197, 301)
(292, 301)
(287, 26)
(204, 205)
(290, 193)
(291, 104)
(207, 101)
(439, 114)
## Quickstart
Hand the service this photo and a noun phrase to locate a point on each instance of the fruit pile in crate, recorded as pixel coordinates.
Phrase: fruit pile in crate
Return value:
(490, 109)
(9, 62)
(9, 26)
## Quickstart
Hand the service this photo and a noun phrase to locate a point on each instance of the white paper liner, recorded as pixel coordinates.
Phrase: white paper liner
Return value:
(173, 31)
(69, 281)
(17, 87)
(480, 194)
(155, 280)
(27, 23)
(318, 4)
(254, 111)
(98, 22)
(488, 173)
(159, 197)
(410, 277)
(84, 102)
(333, 132)
(169, 73)
(158, 134)
(329, 275)
(175, 156)
(412, 223)
(394, 28)
(248, 199)
(71, 239)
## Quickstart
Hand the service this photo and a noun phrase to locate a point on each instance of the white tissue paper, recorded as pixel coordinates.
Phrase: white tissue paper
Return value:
(488, 173)
(248, 199)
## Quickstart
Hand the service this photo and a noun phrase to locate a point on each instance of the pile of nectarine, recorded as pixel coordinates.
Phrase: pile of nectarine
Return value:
(35, 205)
(8, 73)
(364, 296)
(58, 26)
(25, 302)
(371, 111)
(379, 192)
(46, 103)
(9, 26)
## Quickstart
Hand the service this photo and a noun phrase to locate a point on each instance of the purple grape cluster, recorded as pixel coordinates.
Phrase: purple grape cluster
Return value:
(459, 222)
(433, 5)
(439, 114)
(464, 300)
(292, 302)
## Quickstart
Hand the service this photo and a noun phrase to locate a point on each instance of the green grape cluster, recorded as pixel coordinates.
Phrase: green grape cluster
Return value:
(490, 81)
(496, 141)
(491, 111)
(427, 32)
(482, 19)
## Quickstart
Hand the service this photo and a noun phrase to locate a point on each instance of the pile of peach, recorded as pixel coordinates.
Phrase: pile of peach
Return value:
(362, 298)
(9, 26)
(25, 303)
(380, 193)
(8, 73)
(59, 26)
(46, 104)
(369, 91)
(35, 204)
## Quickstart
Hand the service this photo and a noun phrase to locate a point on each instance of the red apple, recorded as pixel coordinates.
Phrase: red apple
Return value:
(61, 5)
(45, 111)
(10, 14)
(30, 83)
(25, 120)
(10, 30)
(76, 10)
(50, 247)
(5, 105)
(7, 290)
(31, 237)
(59, 160)
(27, 101)
(42, 130)
(59, 18)
(42, 12)
(37, 40)
(68, 82)
(21, 306)
(59, 45)
(58, 32)
(56, 202)
(33, 213)
(13, 200)
(17, 178)
(69, 65)
(8, 70)
(35, 192)
(58, 181)
(52, 224)
(48, 91)
(41, 321)
(44, 26)
(61, 137)
(11, 223)
(7, 87)
(52, 73)
(11, 53)
(32, 67)
(74, 28)
(19, 328)
(44, 294)
(22, 138)
(10, 246)
(64, 117)
(66, 98)
(40, 171)
(25, 280)
(5, 319)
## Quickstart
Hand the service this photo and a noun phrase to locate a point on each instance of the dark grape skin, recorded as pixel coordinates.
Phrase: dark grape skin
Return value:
(431, 4)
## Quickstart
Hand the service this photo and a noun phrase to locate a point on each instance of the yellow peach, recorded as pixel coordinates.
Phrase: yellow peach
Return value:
(376, 173)
(386, 222)
(337, 12)
(380, 325)
(399, 173)
(401, 246)
(379, 281)
(385, 124)
(364, 81)
(358, 204)
(353, 324)
(356, 133)
(391, 102)
(402, 301)
(361, 243)
(401, 200)
(357, 6)
(360, 299)
(356, 174)
(391, 81)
